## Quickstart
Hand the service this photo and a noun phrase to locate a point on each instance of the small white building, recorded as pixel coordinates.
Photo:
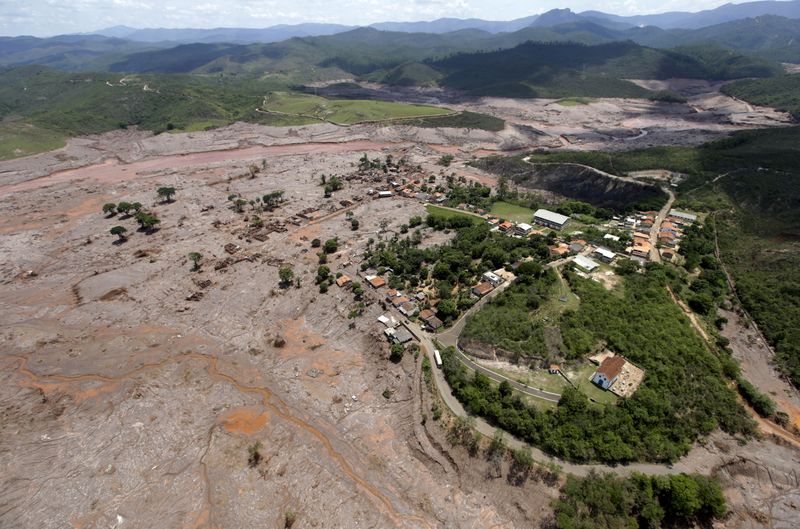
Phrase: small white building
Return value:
(384, 194)
(605, 255)
(492, 278)
(585, 263)
(611, 237)
(608, 372)
(523, 228)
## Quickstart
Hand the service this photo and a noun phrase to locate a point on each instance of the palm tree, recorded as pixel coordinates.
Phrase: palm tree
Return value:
(166, 193)
(119, 231)
(196, 258)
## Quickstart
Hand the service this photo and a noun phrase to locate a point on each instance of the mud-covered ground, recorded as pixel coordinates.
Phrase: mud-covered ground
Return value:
(135, 390)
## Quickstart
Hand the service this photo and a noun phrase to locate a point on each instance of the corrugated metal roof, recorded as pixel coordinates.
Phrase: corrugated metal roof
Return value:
(550, 216)
(585, 263)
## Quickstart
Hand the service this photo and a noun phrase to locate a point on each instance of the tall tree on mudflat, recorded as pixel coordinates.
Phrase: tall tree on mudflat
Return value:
(166, 193)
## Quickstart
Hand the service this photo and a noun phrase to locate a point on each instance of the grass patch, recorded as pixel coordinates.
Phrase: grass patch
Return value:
(462, 120)
(512, 212)
(346, 111)
(574, 101)
(19, 139)
(447, 213)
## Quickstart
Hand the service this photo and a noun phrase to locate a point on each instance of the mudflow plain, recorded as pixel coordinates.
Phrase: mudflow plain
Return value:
(134, 390)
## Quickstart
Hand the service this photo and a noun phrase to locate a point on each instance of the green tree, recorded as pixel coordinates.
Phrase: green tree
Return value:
(124, 207)
(316, 243)
(136, 206)
(119, 231)
(286, 274)
(110, 209)
(354, 224)
(195, 257)
(331, 245)
(447, 309)
(166, 193)
(147, 221)
(396, 352)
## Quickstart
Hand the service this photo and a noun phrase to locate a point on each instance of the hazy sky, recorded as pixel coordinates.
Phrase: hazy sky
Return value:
(51, 17)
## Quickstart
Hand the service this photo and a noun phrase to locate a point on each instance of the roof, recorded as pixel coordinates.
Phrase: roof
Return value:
(342, 281)
(483, 288)
(682, 215)
(402, 335)
(585, 263)
(434, 322)
(524, 227)
(506, 225)
(608, 254)
(611, 367)
(392, 292)
(492, 276)
(612, 237)
(426, 314)
(550, 216)
(376, 281)
(400, 300)
(408, 307)
(561, 249)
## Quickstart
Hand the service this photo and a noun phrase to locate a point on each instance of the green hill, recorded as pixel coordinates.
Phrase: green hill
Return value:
(568, 69)
(782, 92)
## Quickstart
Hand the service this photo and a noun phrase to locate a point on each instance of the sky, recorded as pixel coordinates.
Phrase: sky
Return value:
(53, 17)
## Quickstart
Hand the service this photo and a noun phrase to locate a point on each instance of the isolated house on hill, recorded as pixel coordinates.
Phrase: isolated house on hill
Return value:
(608, 372)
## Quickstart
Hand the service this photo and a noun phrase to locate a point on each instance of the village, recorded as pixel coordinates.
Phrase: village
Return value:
(414, 315)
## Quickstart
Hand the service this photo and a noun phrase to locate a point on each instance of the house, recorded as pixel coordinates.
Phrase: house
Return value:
(505, 226)
(481, 289)
(399, 335)
(399, 300)
(550, 219)
(391, 293)
(408, 309)
(641, 245)
(667, 254)
(494, 221)
(504, 274)
(426, 314)
(342, 281)
(388, 320)
(491, 277)
(604, 254)
(433, 323)
(688, 217)
(611, 237)
(585, 263)
(575, 247)
(420, 296)
(523, 229)
(608, 372)
(559, 250)
(554, 369)
(666, 238)
(376, 281)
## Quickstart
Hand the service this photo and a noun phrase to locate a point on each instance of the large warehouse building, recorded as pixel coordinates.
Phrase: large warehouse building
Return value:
(550, 219)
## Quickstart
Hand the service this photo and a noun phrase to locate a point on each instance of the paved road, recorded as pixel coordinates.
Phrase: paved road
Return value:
(451, 335)
(444, 390)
